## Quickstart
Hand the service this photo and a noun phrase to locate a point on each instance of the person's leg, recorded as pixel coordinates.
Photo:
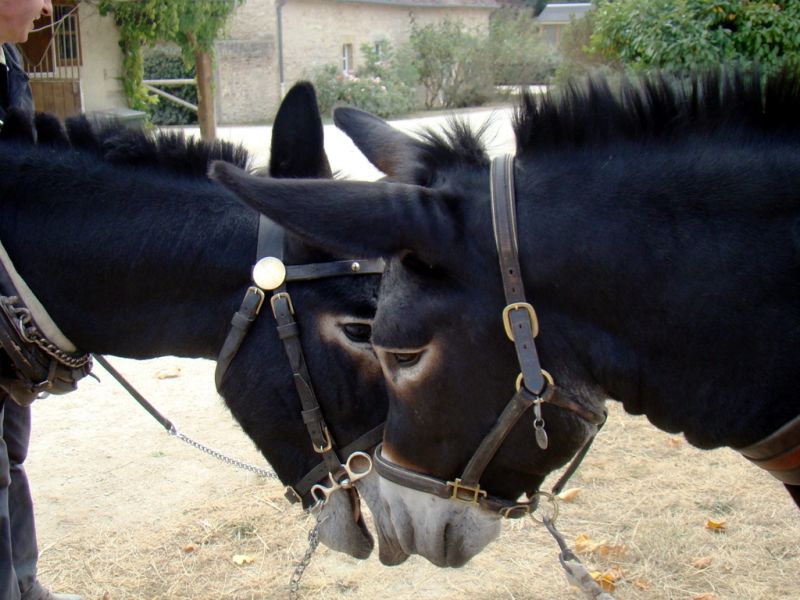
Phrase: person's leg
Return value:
(9, 588)
(17, 436)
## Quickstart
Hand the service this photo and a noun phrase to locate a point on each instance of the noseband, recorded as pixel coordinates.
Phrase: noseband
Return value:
(534, 385)
(269, 255)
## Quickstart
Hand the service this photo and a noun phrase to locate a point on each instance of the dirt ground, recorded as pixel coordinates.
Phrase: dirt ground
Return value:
(125, 511)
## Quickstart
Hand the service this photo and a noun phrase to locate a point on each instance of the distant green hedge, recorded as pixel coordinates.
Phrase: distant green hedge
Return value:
(159, 64)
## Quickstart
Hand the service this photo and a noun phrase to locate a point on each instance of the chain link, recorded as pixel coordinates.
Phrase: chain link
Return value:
(313, 542)
(31, 334)
(222, 457)
(313, 535)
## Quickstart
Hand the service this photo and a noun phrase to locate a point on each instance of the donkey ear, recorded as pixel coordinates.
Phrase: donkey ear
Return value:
(387, 148)
(367, 218)
(297, 137)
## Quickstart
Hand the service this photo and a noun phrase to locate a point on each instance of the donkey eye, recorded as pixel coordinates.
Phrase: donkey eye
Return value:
(406, 359)
(358, 332)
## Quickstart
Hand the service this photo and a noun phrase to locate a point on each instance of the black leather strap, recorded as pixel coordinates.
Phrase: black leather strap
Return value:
(271, 239)
(523, 326)
(534, 389)
(373, 266)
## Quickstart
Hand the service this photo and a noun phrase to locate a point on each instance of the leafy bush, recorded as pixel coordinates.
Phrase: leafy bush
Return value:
(454, 64)
(160, 64)
(519, 54)
(683, 35)
(384, 86)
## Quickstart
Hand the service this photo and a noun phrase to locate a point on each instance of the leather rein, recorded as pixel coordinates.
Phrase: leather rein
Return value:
(270, 250)
(534, 385)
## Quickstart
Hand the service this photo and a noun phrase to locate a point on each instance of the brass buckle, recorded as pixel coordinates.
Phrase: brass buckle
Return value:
(520, 306)
(547, 377)
(476, 492)
(328, 442)
(260, 293)
(275, 297)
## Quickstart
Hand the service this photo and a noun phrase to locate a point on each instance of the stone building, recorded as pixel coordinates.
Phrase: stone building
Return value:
(273, 43)
(76, 63)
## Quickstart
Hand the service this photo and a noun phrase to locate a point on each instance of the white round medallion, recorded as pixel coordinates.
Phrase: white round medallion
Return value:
(269, 273)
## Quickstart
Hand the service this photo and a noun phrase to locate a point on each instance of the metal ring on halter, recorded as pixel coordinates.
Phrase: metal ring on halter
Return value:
(547, 376)
(553, 501)
(357, 466)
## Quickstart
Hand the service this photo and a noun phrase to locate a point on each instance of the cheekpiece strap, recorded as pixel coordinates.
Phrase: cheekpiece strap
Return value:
(519, 316)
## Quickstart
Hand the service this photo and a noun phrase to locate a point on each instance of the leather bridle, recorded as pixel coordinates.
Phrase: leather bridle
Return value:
(270, 247)
(534, 385)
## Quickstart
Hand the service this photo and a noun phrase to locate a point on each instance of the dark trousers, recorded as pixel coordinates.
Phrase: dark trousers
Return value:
(18, 550)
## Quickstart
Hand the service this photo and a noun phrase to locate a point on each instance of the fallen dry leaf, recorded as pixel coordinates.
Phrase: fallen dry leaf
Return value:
(243, 559)
(702, 562)
(607, 580)
(168, 373)
(642, 584)
(570, 495)
(713, 525)
(611, 551)
(675, 442)
(189, 548)
(705, 596)
(584, 543)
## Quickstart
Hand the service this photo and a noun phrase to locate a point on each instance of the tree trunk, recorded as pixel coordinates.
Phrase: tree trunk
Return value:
(205, 95)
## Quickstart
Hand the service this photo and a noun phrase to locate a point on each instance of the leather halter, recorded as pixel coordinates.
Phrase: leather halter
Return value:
(778, 453)
(534, 385)
(270, 244)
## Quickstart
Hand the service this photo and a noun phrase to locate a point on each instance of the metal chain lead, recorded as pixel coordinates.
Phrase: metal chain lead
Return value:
(313, 542)
(222, 457)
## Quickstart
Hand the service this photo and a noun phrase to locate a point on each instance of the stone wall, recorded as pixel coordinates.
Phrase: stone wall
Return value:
(314, 34)
(247, 82)
(102, 62)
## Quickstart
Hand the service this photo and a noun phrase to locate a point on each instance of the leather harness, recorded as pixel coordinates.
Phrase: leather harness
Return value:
(271, 244)
(35, 364)
(534, 385)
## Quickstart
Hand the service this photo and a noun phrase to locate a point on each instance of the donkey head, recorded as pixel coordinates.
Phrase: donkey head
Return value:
(438, 333)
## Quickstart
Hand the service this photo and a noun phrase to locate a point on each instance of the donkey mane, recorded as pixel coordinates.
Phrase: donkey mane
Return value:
(457, 143)
(725, 101)
(115, 143)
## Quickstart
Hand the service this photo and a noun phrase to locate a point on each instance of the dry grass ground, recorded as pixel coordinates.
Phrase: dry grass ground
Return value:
(127, 512)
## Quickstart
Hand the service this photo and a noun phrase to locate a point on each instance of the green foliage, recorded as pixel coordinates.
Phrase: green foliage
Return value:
(576, 61)
(682, 35)
(454, 64)
(519, 54)
(192, 24)
(159, 64)
(384, 86)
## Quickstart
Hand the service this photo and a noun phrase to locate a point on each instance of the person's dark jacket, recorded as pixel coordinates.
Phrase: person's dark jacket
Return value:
(15, 90)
